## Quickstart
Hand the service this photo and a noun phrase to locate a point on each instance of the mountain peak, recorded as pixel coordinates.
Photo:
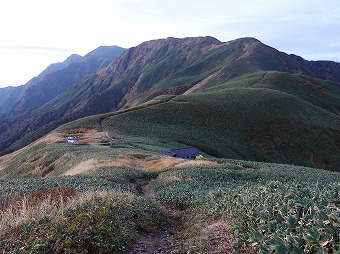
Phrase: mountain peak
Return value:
(148, 52)
(206, 39)
(250, 40)
(73, 58)
(104, 52)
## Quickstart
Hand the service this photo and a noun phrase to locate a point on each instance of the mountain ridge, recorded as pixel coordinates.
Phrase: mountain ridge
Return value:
(186, 66)
(56, 82)
(9, 96)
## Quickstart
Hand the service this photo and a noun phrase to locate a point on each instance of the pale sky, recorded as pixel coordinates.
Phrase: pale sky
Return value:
(36, 33)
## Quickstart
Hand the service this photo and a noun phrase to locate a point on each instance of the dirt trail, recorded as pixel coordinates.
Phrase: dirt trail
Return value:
(218, 233)
(161, 242)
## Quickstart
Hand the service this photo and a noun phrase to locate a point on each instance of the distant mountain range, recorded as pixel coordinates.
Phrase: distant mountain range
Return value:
(59, 77)
(11, 95)
(276, 105)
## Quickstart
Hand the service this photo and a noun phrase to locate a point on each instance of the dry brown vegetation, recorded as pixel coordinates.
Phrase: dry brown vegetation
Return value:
(83, 167)
(201, 84)
(17, 207)
(68, 163)
(36, 165)
(85, 136)
(152, 163)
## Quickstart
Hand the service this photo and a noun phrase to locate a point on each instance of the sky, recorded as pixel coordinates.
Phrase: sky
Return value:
(36, 33)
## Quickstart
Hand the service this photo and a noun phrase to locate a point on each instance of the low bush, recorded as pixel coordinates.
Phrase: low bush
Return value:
(273, 209)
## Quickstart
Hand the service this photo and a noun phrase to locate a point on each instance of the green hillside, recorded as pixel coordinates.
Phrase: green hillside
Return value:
(233, 205)
(252, 124)
(92, 198)
(174, 66)
(322, 93)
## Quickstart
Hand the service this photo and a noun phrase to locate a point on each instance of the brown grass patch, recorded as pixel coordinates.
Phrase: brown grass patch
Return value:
(204, 81)
(53, 194)
(85, 136)
(7, 200)
(7, 159)
(153, 163)
(248, 48)
(83, 168)
(4, 161)
(149, 163)
(157, 163)
(11, 205)
(50, 138)
(187, 163)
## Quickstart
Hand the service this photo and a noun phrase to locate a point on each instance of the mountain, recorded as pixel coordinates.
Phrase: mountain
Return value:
(323, 69)
(9, 96)
(55, 82)
(207, 71)
(175, 66)
(74, 58)
(37, 93)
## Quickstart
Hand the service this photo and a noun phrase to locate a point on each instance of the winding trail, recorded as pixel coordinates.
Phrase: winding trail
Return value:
(259, 81)
(163, 241)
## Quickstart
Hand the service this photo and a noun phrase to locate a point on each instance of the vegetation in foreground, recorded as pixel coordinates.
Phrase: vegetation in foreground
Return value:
(272, 208)
(265, 208)
(87, 214)
(250, 207)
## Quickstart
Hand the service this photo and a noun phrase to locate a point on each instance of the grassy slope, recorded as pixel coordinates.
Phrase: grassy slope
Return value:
(322, 93)
(250, 202)
(172, 67)
(252, 124)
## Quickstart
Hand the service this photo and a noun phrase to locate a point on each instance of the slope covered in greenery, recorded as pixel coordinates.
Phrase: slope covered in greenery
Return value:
(242, 103)
(172, 67)
(27, 115)
(245, 206)
(90, 197)
(252, 124)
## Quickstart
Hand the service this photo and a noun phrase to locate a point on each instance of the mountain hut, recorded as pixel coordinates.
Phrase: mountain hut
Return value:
(189, 153)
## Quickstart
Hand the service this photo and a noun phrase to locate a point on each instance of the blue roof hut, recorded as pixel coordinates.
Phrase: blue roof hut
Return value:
(189, 153)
